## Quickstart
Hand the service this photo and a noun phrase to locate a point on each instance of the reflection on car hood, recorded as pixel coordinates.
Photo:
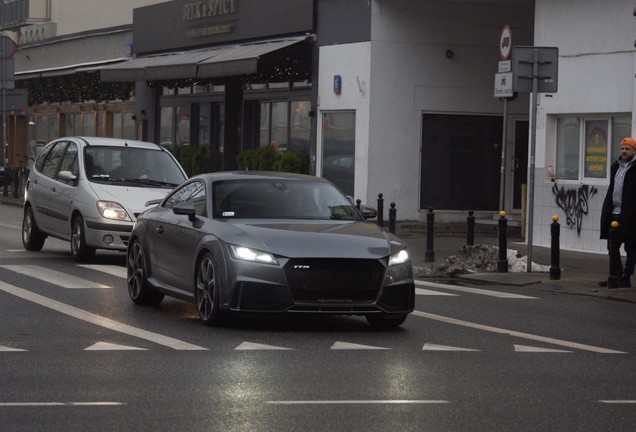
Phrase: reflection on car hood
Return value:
(316, 239)
(132, 198)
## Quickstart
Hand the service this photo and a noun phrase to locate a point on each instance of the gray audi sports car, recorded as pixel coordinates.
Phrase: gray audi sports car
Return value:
(268, 242)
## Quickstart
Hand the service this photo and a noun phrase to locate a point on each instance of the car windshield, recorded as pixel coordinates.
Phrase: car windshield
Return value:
(139, 166)
(281, 199)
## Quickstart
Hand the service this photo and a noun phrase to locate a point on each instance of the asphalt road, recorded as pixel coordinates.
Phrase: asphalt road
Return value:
(76, 354)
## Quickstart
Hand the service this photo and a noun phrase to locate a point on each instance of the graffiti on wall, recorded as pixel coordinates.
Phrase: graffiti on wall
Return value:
(574, 202)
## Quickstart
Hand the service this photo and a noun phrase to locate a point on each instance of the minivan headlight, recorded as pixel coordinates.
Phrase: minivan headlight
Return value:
(399, 258)
(112, 210)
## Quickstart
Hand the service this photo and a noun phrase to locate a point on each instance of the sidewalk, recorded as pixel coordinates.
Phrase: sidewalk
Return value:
(580, 271)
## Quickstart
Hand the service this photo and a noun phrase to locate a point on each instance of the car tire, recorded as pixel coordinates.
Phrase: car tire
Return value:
(206, 291)
(386, 321)
(79, 249)
(139, 290)
(32, 237)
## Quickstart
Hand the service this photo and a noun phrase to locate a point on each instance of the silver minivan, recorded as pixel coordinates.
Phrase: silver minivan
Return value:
(90, 190)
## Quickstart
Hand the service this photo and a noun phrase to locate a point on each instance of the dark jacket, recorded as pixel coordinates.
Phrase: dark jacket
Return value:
(627, 226)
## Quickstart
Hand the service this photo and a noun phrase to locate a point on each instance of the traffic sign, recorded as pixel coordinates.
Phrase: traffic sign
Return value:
(503, 85)
(505, 42)
(523, 61)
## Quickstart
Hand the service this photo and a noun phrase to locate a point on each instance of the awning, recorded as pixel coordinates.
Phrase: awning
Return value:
(205, 63)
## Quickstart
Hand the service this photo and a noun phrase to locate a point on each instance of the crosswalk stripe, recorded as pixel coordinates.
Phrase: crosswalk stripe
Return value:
(9, 349)
(353, 346)
(422, 291)
(533, 349)
(245, 346)
(434, 347)
(489, 293)
(106, 346)
(99, 320)
(108, 269)
(52, 276)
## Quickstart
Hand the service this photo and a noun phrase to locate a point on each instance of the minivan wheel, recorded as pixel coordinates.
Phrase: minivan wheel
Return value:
(32, 237)
(79, 249)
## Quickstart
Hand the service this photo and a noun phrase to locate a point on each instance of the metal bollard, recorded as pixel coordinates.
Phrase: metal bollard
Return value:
(555, 232)
(358, 203)
(615, 264)
(392, 217)
(470, 229)
(429, 255)
(502, 262)
(380, 210)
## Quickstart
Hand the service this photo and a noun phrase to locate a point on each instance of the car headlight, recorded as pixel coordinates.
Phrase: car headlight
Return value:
(247, 254)
(112, 210)
(399, 257)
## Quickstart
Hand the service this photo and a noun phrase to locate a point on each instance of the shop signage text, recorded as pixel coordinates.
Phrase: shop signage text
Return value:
(207, 9)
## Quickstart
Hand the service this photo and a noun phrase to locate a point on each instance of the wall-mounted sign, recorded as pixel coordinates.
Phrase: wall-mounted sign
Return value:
(337, 84)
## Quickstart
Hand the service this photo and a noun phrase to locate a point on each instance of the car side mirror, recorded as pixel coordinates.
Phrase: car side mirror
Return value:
(185, 208)
(66, 176)
(368, 212)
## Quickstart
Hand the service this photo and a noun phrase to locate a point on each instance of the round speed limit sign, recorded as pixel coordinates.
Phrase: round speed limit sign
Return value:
(505, 43)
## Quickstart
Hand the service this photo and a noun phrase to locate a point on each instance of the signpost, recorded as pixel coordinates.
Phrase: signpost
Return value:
(534, 69)
(503, 89)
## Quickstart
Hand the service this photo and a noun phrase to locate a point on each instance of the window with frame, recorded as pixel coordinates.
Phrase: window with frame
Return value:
(587, 146)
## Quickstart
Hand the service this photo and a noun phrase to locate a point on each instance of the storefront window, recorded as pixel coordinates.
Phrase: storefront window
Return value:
(338, 149)
(264, 125)
(587, 152)
(567, 157)
(89, 123)
(280, 118)
(183, 125)
(166, 125)
(117, 125)
(300, 127)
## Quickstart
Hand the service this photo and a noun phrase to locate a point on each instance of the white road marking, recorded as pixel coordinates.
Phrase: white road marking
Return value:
(99, 320)
(341, 402)
(516, 333)
(489, 293)
(422, 291)
(48, 404)
(16, 250)
(106, 346)
(112, 270)
(435, 347)
(533, 349)
(52, 276)
(256, 346)
(618, 401)
(9, 349)
(353, 346)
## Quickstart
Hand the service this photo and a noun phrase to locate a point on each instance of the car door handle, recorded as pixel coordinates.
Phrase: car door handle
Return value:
(159, 230)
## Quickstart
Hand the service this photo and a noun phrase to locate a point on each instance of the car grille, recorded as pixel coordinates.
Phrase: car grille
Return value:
(334, 281)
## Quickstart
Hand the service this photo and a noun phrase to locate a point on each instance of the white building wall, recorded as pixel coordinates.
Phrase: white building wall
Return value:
(352, 63)
(596, 75)
(411, 75)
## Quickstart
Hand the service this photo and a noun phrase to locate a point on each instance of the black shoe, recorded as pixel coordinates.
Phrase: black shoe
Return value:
(603, 283)
(624, 282)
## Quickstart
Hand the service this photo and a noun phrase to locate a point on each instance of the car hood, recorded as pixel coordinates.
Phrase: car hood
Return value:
(316, 239)
(132, 198)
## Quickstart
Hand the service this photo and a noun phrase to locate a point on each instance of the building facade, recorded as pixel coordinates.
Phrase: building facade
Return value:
(393, 97)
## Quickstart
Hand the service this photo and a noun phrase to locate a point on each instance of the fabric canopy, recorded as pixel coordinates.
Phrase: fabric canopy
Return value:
(205, 63)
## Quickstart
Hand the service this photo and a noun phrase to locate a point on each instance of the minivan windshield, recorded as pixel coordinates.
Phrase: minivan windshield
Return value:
(154, 167)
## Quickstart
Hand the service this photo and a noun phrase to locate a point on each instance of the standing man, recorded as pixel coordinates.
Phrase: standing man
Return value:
(620, 205)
